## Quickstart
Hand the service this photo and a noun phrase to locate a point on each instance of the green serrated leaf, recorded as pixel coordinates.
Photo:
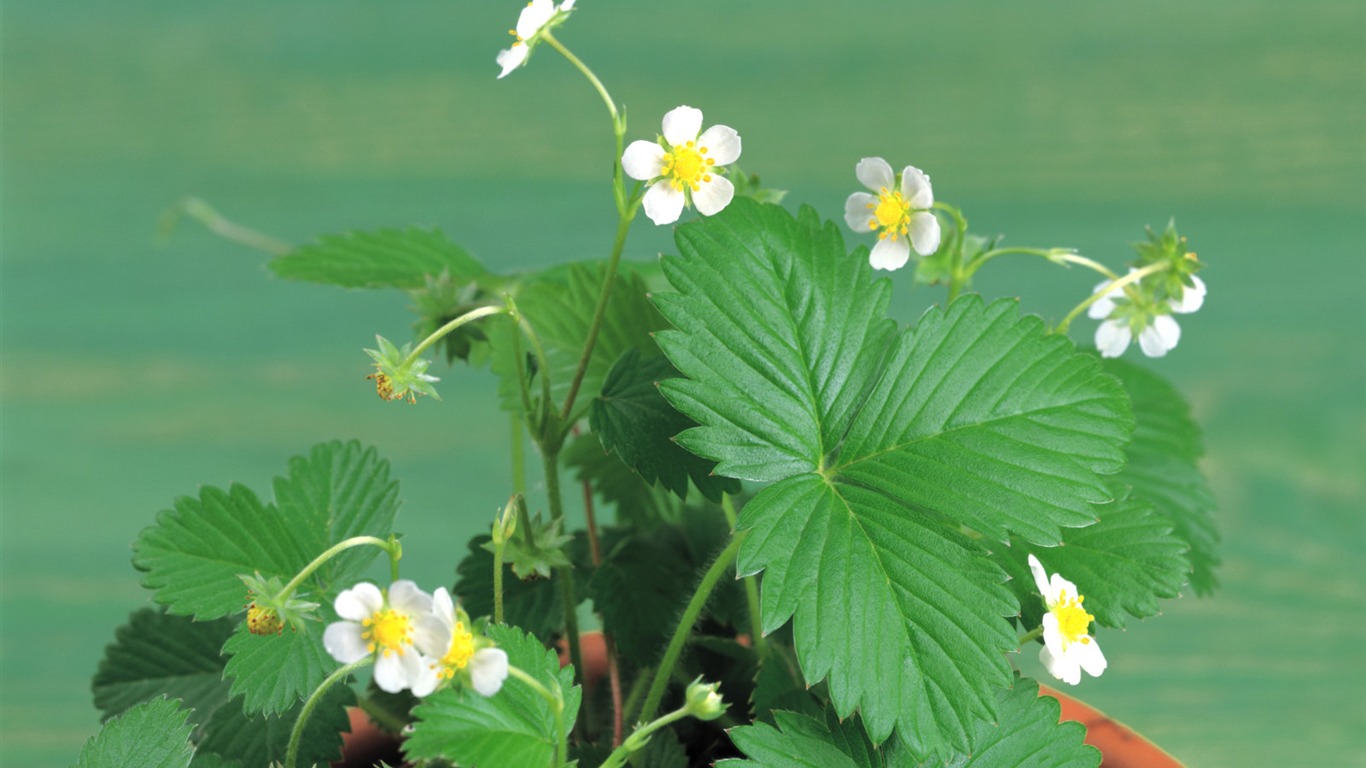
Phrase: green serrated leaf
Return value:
(880, 444)
(780, 686)
(384, 258)
(274, 672)
(195, 553)
(513, 727)
(1122, 564)
(559, 305)
(618, 486)
(154, 734)
(632, 418)
(1028, 733)
(640, 589)
(155, 654)
(801, 741)
(1163, 467)
(535, 605)
(259, 739)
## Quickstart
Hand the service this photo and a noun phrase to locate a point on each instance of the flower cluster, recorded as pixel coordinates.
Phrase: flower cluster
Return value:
(537, 18)
(419, 641)
(1067, 646)
(1161, 284)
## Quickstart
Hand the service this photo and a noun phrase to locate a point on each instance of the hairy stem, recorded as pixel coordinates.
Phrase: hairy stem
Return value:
(296, 734)
(756, 622)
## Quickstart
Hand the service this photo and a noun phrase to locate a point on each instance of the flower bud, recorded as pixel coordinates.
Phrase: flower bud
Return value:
(702, 700)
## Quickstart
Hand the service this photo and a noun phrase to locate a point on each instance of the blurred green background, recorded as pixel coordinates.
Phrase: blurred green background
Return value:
(133, 373)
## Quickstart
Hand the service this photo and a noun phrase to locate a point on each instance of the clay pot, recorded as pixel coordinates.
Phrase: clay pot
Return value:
(1119, 746)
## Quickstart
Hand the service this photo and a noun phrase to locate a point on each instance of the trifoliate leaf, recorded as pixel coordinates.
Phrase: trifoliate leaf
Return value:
(880, 443)
(155, 654)
(195, 553)
(1028, 733)
(515, 726)
(385, 258)
(1124, 563)
(154, 734)
(1163, 467)
(275, 672)
(633, 419)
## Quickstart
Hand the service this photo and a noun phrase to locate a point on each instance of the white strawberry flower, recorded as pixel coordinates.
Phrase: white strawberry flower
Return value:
(382, 625)
(1158, 332)
(451, 649)
(530, 23)
(684, 167)
(1067, 648)
(899, 213)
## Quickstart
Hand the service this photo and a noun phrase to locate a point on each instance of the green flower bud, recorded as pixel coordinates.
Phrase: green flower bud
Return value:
(702, 700)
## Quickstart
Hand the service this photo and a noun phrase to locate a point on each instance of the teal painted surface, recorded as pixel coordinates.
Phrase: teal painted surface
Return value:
(132, 374)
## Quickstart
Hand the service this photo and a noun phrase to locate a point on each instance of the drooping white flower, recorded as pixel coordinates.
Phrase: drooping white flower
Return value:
(530, 22)
(900, 214)
(1067, 648)
(444, 638)
(382, 625)
(685, 168)
(1158, 332)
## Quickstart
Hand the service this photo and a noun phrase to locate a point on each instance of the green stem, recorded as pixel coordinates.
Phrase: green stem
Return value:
(390, 546)
(386, 719)
(1117, 284)
(436, 335)
(958, 276)
(296, 734)
(685, 625)
(556, 700)
(498, 545)
(588, 73)
(565, 576)
(1032, 634)
(215, 222)
(756, 623)
(636, 741)
(618, 245)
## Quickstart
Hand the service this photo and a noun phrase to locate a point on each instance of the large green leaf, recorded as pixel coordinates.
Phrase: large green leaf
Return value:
(881, 443)
(385, 258)
(259, 739)
(274, 672)
(154, 734)
(632, 418)
(513, 727)
(802, 741)
(1163, 467)
(618, 486)
(155, 654)
(1122, 564)
(1028, 733)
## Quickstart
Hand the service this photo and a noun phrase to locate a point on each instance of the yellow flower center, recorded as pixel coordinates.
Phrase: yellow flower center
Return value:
(387, 631)
(462, 648)
(1073, 620)
(263, 621)
(687, 166)
(891, 214)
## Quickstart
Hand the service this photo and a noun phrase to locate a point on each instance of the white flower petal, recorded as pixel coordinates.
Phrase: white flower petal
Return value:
(1105, 305)
(924, 232)
(915, 188)
(722, 144)
(890, 254)
(443, 606)
(488, 669)
(405, 597)
(643, 160)
(396, 671)
(567, 5)
(511, 58)
(533, 17)
(431, 635)
(875, 174)
(713, 196)
(682, 124)
(426, 679)
(1112, 338)
(1060, 667)
(1057, 585)
(663, 204)
(343, 642)
(1191, 298)
(1040, 576)
(858, 214)
(1088, 655)
(359, 602)
(1161, 337)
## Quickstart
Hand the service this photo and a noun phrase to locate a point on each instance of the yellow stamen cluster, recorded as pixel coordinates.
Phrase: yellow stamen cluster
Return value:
(1073, 620)
(387, 631)
(687, 166)
(458, 657)
(891, 214)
